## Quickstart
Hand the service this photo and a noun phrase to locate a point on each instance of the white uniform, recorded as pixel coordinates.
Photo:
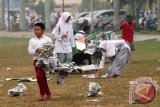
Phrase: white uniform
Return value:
(63, 46)
(35, 43)
(80, 40)
(117, 51)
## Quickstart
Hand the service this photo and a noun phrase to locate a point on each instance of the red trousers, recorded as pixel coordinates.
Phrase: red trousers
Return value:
(41, 80)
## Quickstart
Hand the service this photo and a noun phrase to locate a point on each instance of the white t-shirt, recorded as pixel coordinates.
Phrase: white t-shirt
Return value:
(35, 43)
(80, 40)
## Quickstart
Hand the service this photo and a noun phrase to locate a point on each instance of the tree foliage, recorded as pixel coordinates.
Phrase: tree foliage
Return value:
(40, 9)
(123, 2)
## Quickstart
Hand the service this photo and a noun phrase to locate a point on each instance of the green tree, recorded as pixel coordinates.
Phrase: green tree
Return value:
(39, 8)
(52, 5)
(123, 2)
(136, 6)
(150, 3)
(86, 5)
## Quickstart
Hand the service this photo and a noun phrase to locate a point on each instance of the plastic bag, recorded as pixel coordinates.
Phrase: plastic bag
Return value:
(94, 88)
(17, 91)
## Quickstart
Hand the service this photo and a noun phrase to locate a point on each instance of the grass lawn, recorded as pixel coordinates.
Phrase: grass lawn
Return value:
(157, 32)
(14, 55)
(144, 31)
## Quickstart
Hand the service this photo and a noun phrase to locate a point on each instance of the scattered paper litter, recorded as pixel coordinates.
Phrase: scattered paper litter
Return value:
(100, 93)
(23, 79)
(8, 69)
(158, 69)
(94, 88)
(89, 68)
(1, 83)
(89, 76)
(94, 100)
(17, 91)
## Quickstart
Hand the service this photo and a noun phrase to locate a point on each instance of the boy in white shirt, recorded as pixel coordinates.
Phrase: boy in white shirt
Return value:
(35, 48)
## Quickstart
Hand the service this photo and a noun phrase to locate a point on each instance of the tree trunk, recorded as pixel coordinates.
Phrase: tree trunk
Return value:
(47, 15)
(132, 5)
(22, 15)
(2, 19)
(158, 13)
(150, 4)
(116, 12)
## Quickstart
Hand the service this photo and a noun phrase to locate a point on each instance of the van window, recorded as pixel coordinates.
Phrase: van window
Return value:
(107, 14)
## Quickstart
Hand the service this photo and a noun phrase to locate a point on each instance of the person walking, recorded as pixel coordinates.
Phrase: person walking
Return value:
(35, 48)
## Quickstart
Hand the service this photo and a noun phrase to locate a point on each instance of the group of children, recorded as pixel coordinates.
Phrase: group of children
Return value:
(116, 50)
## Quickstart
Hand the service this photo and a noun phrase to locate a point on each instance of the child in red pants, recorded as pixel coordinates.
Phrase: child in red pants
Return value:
(34, 48)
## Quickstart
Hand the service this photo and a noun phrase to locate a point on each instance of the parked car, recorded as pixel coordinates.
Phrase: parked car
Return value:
(87, 17)
(79, 25)
(79, 15)
(101, 17)
(107, 15)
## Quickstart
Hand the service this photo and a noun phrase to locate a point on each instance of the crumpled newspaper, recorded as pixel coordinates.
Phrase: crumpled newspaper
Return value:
(72, 67)
(67, 67)
(27, 79)
(63, 71)
(62, 75)
(90, 76)
(89, 68)
(17, 91)
(94, 88)
(94, 100)
(91, 48)
(47, 60)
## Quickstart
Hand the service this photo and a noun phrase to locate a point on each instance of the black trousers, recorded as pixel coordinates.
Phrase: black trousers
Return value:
(79, 58)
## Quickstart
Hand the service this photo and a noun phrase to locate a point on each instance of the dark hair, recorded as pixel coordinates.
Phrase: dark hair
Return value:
(129, 16)
(86, 27)
(41, 25)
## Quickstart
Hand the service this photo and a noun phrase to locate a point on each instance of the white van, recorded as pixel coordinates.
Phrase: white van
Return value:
(104, 16)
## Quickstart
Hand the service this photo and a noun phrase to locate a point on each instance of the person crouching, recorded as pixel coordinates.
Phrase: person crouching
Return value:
(118, 52)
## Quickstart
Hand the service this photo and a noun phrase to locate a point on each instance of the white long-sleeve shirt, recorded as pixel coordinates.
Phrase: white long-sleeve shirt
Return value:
(63, 45)
(102, 62)
(35, 43)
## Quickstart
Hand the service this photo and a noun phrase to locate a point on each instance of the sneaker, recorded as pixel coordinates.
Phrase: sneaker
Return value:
(104, 75)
